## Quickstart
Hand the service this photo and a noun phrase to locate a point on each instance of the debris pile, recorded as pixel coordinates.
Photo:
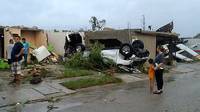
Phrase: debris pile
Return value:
(37, 72)
(51, 59)
(42, 55)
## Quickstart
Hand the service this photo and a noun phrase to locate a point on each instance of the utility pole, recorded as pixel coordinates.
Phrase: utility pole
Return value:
(143, 22)
(129, 32)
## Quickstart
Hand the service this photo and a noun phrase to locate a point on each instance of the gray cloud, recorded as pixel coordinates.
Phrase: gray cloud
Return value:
(73, 14)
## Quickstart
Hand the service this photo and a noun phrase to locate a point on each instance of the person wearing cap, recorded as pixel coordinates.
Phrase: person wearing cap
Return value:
(16, 57)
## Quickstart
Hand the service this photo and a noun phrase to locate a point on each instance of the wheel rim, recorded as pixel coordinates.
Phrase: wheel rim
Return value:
(126, 49)
(78, 48)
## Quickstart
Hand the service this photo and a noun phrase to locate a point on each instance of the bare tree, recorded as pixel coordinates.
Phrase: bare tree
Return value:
(97, 24)
(101, 24)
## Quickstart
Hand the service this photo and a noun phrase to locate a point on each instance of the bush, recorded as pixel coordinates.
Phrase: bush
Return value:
(95, 56)
(3, 65)
(77, 61)
(94, 61)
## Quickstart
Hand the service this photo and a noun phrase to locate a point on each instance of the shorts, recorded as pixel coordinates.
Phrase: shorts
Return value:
(16, 68)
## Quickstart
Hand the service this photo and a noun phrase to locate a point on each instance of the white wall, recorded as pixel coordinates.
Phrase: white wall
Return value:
(57, 39)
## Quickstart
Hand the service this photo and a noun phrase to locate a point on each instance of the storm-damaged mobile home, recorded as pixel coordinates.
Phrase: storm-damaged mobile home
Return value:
(35, 36)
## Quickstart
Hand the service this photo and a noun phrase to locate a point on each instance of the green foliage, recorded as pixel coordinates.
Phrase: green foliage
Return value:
(68, 73)
(77, 61)
(50, 48)
(3, 65)
(95, 57)
(94, 61)
(88, 82)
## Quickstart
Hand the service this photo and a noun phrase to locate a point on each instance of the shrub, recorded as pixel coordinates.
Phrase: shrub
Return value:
(94, 61)
(3, 65)
(95, 56)
(77, 61)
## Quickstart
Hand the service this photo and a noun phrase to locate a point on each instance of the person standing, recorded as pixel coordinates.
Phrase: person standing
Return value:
(26, 50)
(9, 50)
(159, 69)
(16, 57)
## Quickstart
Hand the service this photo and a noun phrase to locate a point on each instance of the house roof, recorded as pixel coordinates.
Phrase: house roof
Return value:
(27, 28)
(132, 31)
(163, 34)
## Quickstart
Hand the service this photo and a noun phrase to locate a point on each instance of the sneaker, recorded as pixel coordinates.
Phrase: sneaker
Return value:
(22, 74)
(158, 92)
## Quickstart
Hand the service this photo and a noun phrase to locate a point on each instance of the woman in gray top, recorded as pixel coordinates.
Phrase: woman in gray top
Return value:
(159, 62)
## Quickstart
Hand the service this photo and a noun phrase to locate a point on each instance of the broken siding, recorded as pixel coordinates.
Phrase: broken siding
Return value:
(36, 38)
(29, 36)
(41, 39)
(57, 39)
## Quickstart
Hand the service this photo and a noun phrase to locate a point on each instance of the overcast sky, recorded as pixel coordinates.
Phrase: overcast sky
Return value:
(75, 14)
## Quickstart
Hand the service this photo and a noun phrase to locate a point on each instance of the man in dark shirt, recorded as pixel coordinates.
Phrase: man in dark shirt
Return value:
(16, 57)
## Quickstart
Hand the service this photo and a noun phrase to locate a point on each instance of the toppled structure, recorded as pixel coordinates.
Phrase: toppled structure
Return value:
(192, 43)
(129, 56)
(34, 36)
(115, 38)
(184, 53)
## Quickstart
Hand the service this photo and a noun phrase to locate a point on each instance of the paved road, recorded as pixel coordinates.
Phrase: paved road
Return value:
(181, 94)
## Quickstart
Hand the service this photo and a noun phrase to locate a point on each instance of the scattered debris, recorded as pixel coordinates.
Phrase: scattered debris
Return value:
(41, 53)
(184, 53)
(44, 56)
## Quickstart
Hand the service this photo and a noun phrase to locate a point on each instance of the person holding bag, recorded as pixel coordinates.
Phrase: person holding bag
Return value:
(159, 69)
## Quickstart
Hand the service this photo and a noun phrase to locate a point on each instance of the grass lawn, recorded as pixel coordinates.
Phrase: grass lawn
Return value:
(68, 73)
(89, 82)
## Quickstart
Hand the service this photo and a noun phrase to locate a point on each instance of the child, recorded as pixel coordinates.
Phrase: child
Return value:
(151, 73)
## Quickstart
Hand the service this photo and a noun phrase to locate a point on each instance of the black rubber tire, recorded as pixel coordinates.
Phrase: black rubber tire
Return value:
(79, 47)
(138, 44)
(126, 50)
(147, 53)
(142, 53)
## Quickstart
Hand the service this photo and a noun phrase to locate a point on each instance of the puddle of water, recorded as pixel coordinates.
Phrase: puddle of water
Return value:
(170, 79)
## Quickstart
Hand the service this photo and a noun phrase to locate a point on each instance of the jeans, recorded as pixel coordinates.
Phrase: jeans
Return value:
(159, 78)
(25, 59)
